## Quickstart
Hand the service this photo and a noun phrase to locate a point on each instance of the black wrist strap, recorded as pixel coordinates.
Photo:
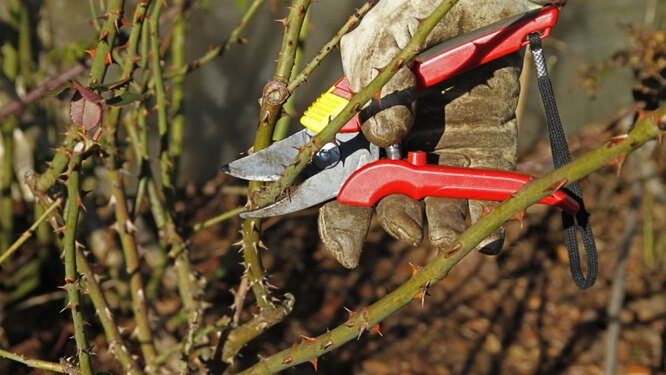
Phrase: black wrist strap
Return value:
(561, 156)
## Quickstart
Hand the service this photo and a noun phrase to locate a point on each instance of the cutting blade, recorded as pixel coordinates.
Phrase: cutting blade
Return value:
(323, 184)
(269, 163)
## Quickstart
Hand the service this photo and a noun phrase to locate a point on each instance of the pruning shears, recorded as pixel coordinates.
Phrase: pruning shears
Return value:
(350, 168)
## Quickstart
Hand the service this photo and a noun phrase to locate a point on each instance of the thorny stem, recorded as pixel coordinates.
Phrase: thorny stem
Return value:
(34, 363)
(329, 46)
(282, 125)
(28, 233)
(191, 296)
(97, 72)
(72, 284)
(220, 323)
(6, 179)
(219, 50)
(275, 95)
(116, 343)
(124, 224)
(248, 331)
(406, 55)
(177, 88)
(125, 230)
(160, 98)
(646, 129)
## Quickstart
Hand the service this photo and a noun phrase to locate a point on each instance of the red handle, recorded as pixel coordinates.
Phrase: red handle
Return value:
(418, 180)
(458, 55)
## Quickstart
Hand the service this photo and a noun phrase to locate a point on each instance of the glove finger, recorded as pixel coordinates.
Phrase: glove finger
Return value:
(491, 245)
(388, 119)
(402, 217)
(342, 229)
(446, 219)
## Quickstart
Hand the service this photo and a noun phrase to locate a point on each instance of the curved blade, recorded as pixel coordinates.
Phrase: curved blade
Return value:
(324, 184)
(269, 163)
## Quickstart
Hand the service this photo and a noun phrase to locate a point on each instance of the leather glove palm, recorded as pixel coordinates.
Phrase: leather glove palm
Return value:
(467, 121)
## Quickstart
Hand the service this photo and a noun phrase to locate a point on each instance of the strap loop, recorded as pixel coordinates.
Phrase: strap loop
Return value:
(561, 157)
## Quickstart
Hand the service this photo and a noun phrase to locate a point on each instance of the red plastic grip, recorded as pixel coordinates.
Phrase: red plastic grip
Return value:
(488, 47)
(467, 55)
(381, 178)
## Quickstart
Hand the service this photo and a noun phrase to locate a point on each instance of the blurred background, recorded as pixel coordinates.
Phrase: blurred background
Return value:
(518, 313)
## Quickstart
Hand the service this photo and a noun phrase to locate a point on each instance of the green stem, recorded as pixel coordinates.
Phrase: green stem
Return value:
(28, 233)
(114, 338)
(222, 322)
(34, 363)
(93, 14)
(191, 297)
(177, 89)
(243, 334)
(133, 269)
(24, 44)
(406, 55)
(160, 98)
(71, 276)
(329, 46)
(106, 40)
(274, 96)
(227, 215)
(415, 288)
(282, 126)
(97, 72)
(7, 177)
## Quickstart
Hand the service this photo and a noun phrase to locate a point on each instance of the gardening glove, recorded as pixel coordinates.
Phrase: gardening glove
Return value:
(467, 121)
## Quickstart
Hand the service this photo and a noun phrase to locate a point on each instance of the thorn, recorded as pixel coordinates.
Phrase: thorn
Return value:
(616, 140)
(69, 306)
(378, 96)
(283, 21)
(309, 340)
(420, 295)
(287, 360)
(90, 52)
(453, 250)
(641, 114)
(326, 344)
(376, 329)
(519, 217)
(350, 312)
(555, 186)
(486, 208)
(397, 65)
(130, 227)
(415, 269)
(79, 204)
(361, 329)
(617, 163)
(262, 245)
(105, 36)
(314, 363)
